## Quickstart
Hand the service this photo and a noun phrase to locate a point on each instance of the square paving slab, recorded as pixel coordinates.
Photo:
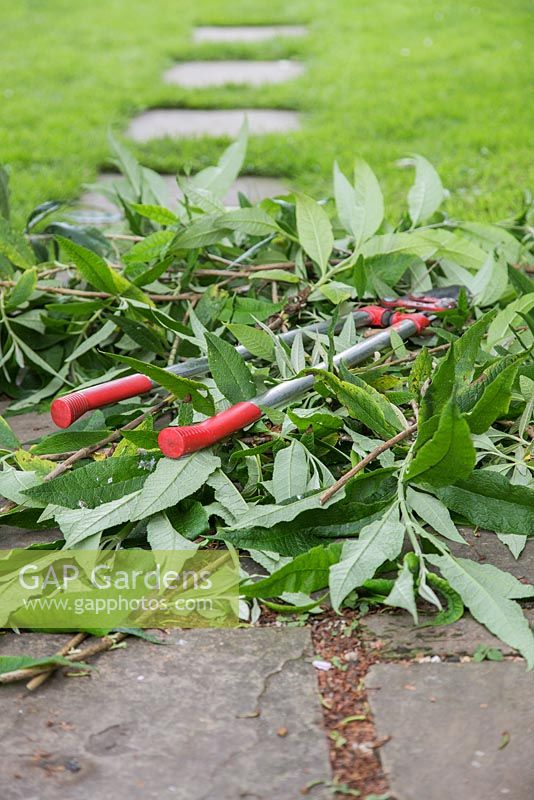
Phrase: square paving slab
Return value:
(198, 74)
(216, 715)
(400, 637)
(458, 731)
(245, 33)
(186, 122)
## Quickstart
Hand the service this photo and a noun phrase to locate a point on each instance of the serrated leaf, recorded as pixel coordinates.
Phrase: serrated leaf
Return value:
(491, 392)
(314, 231)
(251, 221)
(365, 404)
(14, 247)
(378, 542)
(151, 247)
(499, 328)
(98, 274)
(257, 341)
(477, 587)
(23, 289)
(426, 194)
(158, 214)
(305, 573)
(491, 502)
(229, 370)
(448, 454)
(202, 232)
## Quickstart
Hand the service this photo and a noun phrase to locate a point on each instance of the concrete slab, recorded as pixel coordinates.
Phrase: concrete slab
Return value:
(457, 730)
(402, 638)
(187, 122)
(12, 537)
(31, 426)
(255, 187)
(201, 719)
(199, 74)
(246, 33)
(485, 548)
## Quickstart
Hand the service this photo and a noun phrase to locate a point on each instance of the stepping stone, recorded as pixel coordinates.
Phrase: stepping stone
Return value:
(197, 74)
(215, 714)
(402, 638)
(186, 122)
(457, 730)
(246, 33)
(255, 187)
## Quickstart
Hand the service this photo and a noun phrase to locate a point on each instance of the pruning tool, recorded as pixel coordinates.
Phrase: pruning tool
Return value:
(176, 441)
(66, 410)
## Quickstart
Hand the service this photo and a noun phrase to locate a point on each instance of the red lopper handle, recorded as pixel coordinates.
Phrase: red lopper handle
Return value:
(175, 441)
(66, 410)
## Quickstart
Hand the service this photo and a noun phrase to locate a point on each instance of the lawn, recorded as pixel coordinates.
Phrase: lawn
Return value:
(445, 80)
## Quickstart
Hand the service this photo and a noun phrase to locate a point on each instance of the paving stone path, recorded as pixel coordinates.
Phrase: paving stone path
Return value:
(215, 715)
(457, 731)
(451, 730)
(180, 122)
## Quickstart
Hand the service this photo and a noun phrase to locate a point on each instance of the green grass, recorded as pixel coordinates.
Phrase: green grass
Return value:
(385, 79)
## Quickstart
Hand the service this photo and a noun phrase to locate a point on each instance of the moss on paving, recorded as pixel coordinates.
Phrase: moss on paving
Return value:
(447, 80)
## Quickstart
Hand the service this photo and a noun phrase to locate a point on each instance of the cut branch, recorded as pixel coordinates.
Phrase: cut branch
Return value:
(339, 484)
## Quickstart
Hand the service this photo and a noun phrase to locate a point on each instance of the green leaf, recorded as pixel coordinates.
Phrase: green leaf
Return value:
(490, 501)
(8, 440)
(378, 542)
(257, 341)
(176, 384)
(151, 247)
(229, 370)
(360, 207)
(402, 595)
(448, 454)
(434, 513)
(426, 194)
(476, 586)
(227, 496)
(278, 275)
(509, 316)
(493, 392)
(251, 221)
(158, 214)
(11, 663)
(306, 573)
(14, 483)
(219, 179)
(95, 483)
(336, 292)
(202, 232)
(314, 231)
(364, 403)
(66, 441)
(23, 289)
(14, 247)
(161, 535)
(172, 481)
(290, 472)
(98, 274)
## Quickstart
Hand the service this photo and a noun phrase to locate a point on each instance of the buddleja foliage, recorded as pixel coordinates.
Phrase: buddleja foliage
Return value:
(80, 304)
